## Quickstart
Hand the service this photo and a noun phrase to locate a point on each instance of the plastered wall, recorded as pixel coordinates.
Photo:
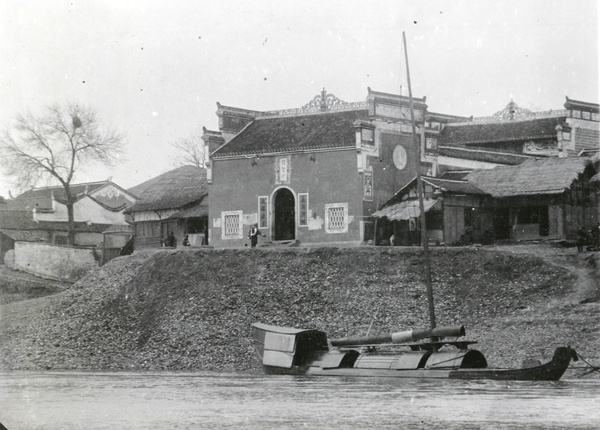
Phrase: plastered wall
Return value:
(54, 262)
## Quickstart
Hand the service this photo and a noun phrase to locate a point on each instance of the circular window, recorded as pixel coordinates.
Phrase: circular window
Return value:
(400, 157)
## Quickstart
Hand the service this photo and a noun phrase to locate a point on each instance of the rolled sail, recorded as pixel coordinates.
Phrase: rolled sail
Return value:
(401, 336)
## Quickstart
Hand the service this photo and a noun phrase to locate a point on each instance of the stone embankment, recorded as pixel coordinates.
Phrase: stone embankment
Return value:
(192, 309)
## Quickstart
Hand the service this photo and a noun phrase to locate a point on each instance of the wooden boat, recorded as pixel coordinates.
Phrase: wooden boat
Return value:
(292, 351)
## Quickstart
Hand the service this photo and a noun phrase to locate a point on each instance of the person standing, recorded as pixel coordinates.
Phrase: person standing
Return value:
(253, 235)
(581, 239)
(596, 237)
(171, 241)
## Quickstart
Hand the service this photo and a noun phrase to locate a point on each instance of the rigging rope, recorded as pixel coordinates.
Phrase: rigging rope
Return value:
(590, 367)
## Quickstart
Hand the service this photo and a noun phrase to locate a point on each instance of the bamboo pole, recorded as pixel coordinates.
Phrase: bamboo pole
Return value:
(424, 240)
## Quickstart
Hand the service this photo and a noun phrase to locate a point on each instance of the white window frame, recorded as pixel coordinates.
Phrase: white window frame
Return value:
(431, 143)
(367, 142)
(240, 233)
(328, 208)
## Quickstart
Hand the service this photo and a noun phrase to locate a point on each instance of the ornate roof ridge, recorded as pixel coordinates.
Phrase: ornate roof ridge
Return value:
(321, 103)
(554, 113)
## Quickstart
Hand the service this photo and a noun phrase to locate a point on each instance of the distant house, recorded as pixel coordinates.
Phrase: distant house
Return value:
(97, 206)
(172, 202)
(513, 135)
(19, 226)
(95, 203)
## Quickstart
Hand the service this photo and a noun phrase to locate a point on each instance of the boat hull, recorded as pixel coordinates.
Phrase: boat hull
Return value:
(288, 351)
(551, 371)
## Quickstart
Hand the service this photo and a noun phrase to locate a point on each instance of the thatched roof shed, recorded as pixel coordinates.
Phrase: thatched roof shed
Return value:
(179, 188)
(533, 177)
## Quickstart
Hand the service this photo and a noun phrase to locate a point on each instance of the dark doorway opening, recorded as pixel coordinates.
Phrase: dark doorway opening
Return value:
(544, 221)
(502, 224)
(285, 215)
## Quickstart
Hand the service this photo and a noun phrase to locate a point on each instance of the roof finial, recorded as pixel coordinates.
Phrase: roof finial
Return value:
(511, 109)
(323, 100)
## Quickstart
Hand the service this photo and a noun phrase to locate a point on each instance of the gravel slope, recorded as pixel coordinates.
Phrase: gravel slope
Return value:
(192, 309)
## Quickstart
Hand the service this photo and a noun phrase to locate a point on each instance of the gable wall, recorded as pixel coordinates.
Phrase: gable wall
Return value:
(586, 138)
(112, 196)
(84, 210)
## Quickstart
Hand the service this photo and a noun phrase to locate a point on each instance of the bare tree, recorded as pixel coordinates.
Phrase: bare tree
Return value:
(190, 150)
(54, 146)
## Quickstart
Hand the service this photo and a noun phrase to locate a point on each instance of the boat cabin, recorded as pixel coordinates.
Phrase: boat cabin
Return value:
(284, 350)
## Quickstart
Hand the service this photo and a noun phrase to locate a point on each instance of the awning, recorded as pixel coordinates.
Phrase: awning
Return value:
(404, 210)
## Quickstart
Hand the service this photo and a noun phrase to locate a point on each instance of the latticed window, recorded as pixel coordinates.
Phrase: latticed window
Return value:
(336, 218)
(368, 186)
(232, 225)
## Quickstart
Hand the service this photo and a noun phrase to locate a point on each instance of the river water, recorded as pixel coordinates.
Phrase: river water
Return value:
(170, 400)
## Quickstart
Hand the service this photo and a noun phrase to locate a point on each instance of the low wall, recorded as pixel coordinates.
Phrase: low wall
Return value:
(53, 261)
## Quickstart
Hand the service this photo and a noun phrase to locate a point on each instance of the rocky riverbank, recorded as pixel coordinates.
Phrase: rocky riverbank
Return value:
(192, 309)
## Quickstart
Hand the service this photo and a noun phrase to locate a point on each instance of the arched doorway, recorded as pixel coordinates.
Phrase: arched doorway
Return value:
(284, 208)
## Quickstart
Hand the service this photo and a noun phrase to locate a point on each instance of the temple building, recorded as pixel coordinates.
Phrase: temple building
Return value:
(313, 174)
(317, 174)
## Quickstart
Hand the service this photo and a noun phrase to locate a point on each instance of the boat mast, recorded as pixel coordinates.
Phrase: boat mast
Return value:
(424, 240)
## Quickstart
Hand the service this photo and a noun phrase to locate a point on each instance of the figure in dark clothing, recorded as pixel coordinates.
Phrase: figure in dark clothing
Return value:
(128, 248)
(186, 240)
(171, 241)
(595, 238)
(253, 235)
(581, 239)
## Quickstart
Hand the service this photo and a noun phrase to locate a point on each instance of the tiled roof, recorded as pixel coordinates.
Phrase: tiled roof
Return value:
(26, 235)
(534, 176)
(508, 131)
(404, 210)
(286, 134)
(23, 220)
(483, 156)
(80, 227)
(17, 220)
(454, 186)
(172, 190)
(451, 186)
(40, 198)
(455, 175)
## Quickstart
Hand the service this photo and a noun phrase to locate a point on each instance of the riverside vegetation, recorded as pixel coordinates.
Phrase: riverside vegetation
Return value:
(191, 309)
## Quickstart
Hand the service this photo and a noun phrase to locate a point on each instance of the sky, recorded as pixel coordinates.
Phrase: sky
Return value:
(155, 70)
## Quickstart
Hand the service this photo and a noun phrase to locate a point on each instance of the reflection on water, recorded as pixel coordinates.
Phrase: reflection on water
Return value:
(169, 400)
